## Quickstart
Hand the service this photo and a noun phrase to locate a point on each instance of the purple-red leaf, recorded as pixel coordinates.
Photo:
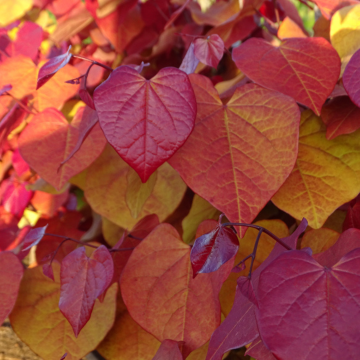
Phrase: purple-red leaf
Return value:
(351, 78)
(240, 328)
(85, 96)
(33, 237)
(51, 67)
(246, 287)
(83, 280)
(168, 350)
(11, 272)
(209, 51)
(146, 121)
(310, 311)
(5, 89)
(214, 249)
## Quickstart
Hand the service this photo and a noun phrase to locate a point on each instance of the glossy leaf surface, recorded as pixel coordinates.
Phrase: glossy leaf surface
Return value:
(222, 160)
(146, 121)
(305, 69)
(213, 249)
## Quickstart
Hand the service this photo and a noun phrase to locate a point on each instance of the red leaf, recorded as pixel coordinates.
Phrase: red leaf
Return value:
(146, 121)
(15, 197)
(88, 119)
(351, 78)
(307, 311)
(83, 280)
(28, 40)
(33, 237)
(168, 350)
(11, 272)
(190, 61)
(222, 160)
(209, 51)
(240, 328)
(214, 249)
(305, 69)
(245, 286)
(51, 67)
(341, 116)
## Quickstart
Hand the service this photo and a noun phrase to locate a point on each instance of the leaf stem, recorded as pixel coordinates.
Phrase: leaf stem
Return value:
(23, 106)
(92, 61)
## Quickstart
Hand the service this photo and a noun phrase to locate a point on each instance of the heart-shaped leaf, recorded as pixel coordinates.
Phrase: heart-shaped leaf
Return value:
(305, 69)
(83, 280)
(146, 121)
(209, 51)
(304, 306)
(239, 154)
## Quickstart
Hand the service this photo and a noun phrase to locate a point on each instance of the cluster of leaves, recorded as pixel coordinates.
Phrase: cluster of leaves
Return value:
(127, 128)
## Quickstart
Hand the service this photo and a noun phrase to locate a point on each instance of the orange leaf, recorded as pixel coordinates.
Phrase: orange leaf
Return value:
(319, 240)
(127, 340)
(290, 29)
(38, 322)
(239, 154)
(162, 296)
(305, 69)
(108, 176)
(49, 139)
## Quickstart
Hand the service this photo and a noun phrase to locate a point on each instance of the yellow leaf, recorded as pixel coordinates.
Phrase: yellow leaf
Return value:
(266, 244)
(38, 322)
(319, 240)
(12, 10)
(200, 210)
(138, 192)
(111, 232)
(326, 174)
(106, 185)
(345, 32)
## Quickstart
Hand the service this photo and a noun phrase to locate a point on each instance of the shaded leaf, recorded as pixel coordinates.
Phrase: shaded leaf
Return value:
(164, 305)
(108, 176)
(352, 219)
(341, 116)
(168, 350)
(138, 192)
(45, 330)
(305, 69)
(319, 240)
(83, 280)
(317, 196)
(200, 210)
(11, 273)
(223, 162)
(153, 118)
